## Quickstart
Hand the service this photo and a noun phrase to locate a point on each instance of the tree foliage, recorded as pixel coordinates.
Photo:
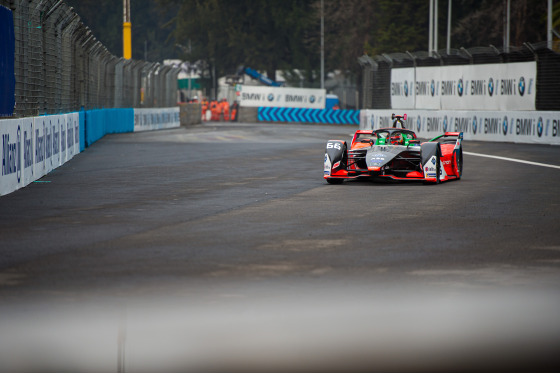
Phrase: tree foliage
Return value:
(268, 35)
(263, 34)
(149, 34)
(485, 24)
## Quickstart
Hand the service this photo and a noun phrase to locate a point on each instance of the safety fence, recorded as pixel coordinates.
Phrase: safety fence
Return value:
(378, 72)
(59, 66)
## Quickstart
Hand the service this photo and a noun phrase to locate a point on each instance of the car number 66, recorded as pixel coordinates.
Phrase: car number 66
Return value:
(334, 145)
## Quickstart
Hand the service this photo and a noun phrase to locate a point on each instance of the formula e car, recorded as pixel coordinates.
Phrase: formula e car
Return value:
(394, 153)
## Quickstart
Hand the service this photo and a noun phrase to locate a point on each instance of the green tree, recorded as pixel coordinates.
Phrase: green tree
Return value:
(105, 19)
(265, 34)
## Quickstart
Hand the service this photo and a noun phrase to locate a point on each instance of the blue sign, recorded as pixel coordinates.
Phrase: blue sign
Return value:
(7, 50)
(306, 115)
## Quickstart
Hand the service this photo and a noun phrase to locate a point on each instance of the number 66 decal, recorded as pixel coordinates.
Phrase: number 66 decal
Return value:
(334, 145)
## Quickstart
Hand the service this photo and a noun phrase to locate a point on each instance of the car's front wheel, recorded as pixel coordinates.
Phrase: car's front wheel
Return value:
(334, 181)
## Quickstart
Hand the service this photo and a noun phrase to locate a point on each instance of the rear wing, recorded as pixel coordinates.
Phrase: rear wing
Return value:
(450, 138)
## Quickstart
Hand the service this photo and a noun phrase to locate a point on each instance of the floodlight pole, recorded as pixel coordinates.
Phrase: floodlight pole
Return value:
(549, 25)
(433, 29)
(435, 25)
(322, 46)
(449, 27)
(506, 25)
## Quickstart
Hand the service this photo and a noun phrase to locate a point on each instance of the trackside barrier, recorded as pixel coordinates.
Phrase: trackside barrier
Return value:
(31, 147)
(100, 122)
(156, 119)
(306, 115)
(538, 127)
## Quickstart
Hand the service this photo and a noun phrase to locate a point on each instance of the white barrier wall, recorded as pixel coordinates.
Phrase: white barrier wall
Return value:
(509, 87)
(156, 119)
(281, 97)
(31, 147)
(497, 126)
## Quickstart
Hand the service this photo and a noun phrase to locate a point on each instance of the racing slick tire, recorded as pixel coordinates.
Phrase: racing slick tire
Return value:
(438, 165)
(458, 164)
(334, 181)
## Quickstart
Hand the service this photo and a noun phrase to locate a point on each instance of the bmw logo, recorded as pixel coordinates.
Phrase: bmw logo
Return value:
(460, 87)
(491, 87)
(312, 99)
(406, 88)
(474, 125)
(540, 127)
(505, 125)
(521, 86)
(270, 97)
(445, 124)
(419, 123)
(433, 88)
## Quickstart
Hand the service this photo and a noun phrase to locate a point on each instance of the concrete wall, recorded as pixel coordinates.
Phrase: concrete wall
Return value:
(248, 114)
(190, 114)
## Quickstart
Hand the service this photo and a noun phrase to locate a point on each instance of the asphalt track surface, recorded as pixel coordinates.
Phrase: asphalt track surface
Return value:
(220, 247)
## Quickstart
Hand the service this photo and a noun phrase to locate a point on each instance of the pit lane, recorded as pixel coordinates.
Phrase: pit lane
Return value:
(220, 247)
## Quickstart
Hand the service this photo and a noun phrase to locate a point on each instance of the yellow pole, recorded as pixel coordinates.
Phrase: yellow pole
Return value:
(127, 31)
(127, 40)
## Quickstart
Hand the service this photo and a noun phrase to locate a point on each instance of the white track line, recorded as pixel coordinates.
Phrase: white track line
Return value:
(513, 160)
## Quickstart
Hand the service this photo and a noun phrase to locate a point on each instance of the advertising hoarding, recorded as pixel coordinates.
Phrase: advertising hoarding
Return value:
(280, 97)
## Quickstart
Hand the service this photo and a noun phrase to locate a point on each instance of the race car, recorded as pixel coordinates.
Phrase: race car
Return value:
(394, 153)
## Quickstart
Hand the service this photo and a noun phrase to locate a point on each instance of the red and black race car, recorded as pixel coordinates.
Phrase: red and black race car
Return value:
(394, 153)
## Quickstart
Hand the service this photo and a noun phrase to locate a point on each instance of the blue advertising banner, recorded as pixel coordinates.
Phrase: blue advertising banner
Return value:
(306, 115)
(7, 77)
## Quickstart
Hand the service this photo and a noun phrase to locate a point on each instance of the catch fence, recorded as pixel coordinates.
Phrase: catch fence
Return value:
(376, 71)
(59, 66)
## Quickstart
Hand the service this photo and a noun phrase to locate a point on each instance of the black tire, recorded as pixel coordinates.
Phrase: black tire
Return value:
(459, 163)
(334, 181)
(438, 165)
